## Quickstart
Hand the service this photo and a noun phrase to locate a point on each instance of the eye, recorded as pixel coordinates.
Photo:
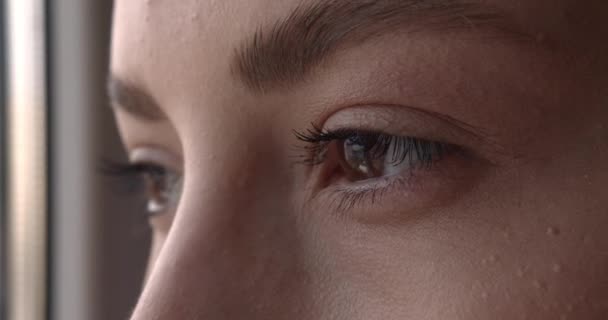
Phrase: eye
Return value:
(160, 186)
(358, 169)
(365, 155)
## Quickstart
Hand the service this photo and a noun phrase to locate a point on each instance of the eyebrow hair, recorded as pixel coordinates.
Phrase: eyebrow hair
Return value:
(285, 53)
(133, 100)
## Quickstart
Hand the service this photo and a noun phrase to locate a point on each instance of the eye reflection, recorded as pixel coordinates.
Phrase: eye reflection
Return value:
(366, 155)
(357, 160)
(161, 189)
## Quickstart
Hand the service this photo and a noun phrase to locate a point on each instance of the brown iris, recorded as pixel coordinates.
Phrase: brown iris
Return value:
(361, 156)
(160, 188)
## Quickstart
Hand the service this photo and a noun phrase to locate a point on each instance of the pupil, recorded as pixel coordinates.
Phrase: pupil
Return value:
(358, 155)
(355, 151)
(156, 191)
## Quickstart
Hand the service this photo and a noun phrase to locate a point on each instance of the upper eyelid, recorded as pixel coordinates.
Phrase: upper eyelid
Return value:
(320, 140)
(156, 155)
(369, 118)
(404, 120)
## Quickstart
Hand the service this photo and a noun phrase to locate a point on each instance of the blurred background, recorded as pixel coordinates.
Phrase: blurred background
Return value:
(72, 244)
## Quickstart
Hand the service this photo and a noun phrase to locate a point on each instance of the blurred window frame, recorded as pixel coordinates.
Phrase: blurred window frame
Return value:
(26, 174)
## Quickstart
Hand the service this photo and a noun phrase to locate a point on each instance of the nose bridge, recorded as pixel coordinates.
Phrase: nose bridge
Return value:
(233, 248)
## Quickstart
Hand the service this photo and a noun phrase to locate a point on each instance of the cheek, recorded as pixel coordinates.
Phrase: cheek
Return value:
(409, 271)
(159, 238)
(514, 255)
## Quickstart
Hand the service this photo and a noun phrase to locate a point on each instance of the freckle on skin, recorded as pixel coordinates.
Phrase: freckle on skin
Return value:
(587, 240)
(506, 233)
(553, 231)
(557, 268)
(539, 285)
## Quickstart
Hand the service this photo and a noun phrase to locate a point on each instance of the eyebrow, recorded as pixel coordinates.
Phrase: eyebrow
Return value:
(133, 100)
(286, 52)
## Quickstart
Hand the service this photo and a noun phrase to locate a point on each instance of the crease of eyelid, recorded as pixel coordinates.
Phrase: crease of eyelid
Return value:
(477, 133)
(478, 136)
(126, 96)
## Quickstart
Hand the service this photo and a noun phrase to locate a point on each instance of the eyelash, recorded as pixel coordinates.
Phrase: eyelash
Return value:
(419, 152)
(131, 176)
(130, 170)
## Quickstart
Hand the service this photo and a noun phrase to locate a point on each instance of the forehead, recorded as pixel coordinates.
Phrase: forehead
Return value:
(178, 36)
(224, 21)
(173, 48)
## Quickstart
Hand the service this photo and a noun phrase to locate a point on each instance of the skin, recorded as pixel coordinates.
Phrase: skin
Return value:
(513, 229)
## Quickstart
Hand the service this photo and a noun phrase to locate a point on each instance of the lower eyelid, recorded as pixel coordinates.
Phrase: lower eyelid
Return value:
(372, 191)
(347, 198)
(402, 195)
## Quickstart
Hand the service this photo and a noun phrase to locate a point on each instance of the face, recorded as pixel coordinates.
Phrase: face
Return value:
(368, 159)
